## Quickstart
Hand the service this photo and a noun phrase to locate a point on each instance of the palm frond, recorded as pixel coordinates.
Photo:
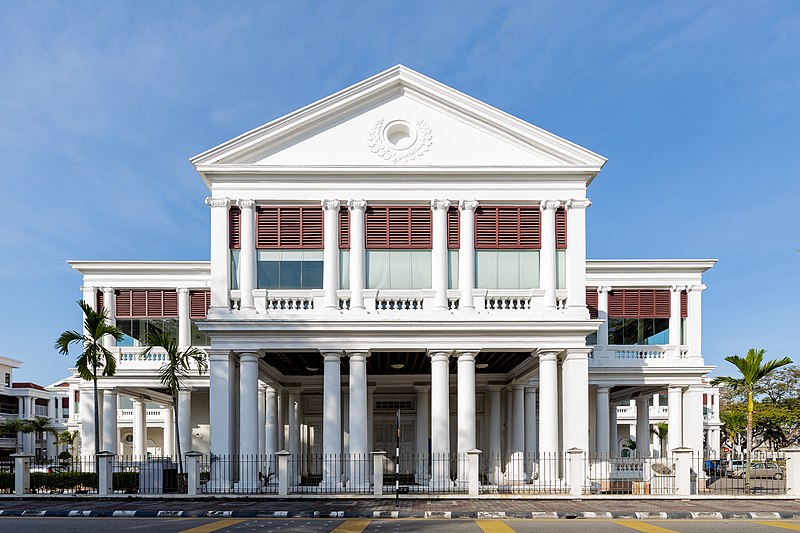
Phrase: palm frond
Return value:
(67, 338)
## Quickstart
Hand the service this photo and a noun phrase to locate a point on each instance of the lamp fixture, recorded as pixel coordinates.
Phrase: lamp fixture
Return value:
(312, 368)
(397, 366)
(481, 366)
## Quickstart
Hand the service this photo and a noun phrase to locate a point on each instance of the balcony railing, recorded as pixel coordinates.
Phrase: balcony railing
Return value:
(131, 357)
(636, 355)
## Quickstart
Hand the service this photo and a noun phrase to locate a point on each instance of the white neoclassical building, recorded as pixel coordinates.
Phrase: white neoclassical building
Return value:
(402, 247)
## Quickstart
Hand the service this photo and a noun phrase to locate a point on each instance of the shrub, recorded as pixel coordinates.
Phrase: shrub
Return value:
(125, 481)
(7, 481)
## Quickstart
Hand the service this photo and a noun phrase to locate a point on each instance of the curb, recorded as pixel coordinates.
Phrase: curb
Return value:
(433, 515)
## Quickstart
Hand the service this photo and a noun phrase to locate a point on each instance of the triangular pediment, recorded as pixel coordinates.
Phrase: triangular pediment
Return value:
(398, 118)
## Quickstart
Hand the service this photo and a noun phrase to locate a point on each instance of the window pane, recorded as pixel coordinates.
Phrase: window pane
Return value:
(616, 330)
(486, 269)
(344, 269)
(507, 269)
(400, 269)
(268, 274)
(377, 269)
(235, 270)
(660, 333)
(561, 269)
(420, 270)
(529, 269)
(452, 269)
(312, 274)
(630, 331)
(290, 275)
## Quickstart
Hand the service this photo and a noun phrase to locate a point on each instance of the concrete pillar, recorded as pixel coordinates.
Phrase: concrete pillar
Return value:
(185, 420)
(192, 472)
(220, 258)
(440, 416)
(271, 423)
(466, 408)
(695, 320)
(87, 422)
(222, 372)
(495, 432)
(139, 429)
(262, 419)
(248, 419)
(575, 471)
(683, 475)
(530, 430)
(693, 419)
(378, 459)
(247, 254)
(576, 257)
(331, 417)
(548, 402)
(466, 253)
(675, 418)
(359, 447)
(642, 427)
(602, 314)
(576, 388)
(547, 254)
(439, 254)
(109, 308)
(613, 436)
(110, 414)
(792, 471)
(422, 431)
(473, 461)
(357, 252)
(330, 264)
(518, 433)
(168, 449)
(105, 463)
(184, 319)
(283, 473)
(675, 316)
(22, 473)
(603, 427)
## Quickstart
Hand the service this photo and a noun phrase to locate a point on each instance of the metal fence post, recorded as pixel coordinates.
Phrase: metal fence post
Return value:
(575, 469)
(22, 473)
(473, 475)
(377, 475)
(192, 472)
(283, 472)
(105, 477)
(683, 470)
(792, 471)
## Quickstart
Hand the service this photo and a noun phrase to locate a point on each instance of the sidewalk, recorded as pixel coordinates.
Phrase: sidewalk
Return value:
(133, 506)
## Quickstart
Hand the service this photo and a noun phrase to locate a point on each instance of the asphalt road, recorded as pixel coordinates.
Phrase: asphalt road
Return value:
(206, 525)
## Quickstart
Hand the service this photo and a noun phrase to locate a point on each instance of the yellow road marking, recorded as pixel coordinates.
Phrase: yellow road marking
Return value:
(783, 525)
(352, 526)
(213, 526)
(638, 525)
(494, 526)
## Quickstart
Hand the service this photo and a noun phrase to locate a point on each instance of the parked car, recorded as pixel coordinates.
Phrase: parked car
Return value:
(733, 465)
(49, 469)
(760, 469)
(714, 467)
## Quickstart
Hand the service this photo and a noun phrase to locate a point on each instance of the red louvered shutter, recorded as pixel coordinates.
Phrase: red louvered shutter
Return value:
(639, 303)
(684, 304)
(99, 300)
(344, 228)
(663, 301)
(155, 303)
(530, 228)
(508, 228)
(453, 228)
(199, 302)
(616, 304)
(234, 228)
(398, 227)
(138, 304)
(289, 227)
(311, 229)
(147, 304)
(267, 227)
(122, 309)
(170, 308)
(592, 301)
(561, 228)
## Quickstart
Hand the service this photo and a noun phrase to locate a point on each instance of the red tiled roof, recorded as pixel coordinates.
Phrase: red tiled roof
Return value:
(26, 385)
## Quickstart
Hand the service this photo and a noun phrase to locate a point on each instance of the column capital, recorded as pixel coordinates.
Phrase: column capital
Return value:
(604, 288)
(677, 288)
(108, 289)
(440, 205)
(494, 387)
(331, 205)
(675, 388)
(218, 202)
(422, 388)
(518, 386)
(357, 355)
(440, 353)
(574, 354)
(215, 354)
(182, 290)
(531, 388)
(331, 355)
(359, 205)
(603, 390)
(86, 288)
(466, 355)
(696, 288)
(548, 354)
(578, 204)
(468, 205)
(246, 204)
(643, 400)
(549, 204)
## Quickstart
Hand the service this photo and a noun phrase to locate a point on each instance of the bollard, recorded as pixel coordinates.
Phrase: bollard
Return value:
(377, 477)
(575, 471)
(105, 475)
(792, 474)
(22, 473)
(683, 470)
(473, 471)
(192, 472)
(283, 472)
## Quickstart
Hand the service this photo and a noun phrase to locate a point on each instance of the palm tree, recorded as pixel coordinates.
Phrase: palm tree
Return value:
(95, 356)
(174, 371)
(660, 430)
(752, 372)
(40, 424)
(15, 426)
(735, 424)
(67, 438)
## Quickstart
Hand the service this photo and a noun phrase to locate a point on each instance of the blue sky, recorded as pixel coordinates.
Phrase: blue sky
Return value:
(695, 104)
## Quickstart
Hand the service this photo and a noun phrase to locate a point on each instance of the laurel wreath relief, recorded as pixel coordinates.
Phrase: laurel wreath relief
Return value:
(378, 144)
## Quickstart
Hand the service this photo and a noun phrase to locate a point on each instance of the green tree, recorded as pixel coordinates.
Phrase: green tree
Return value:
(734, 425)
(173, 373)
(95, 357)
(67, 438)
(15, 426)
(660, 430)
(752, 372)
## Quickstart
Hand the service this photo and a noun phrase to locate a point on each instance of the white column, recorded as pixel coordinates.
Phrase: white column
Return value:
(675, 316)
(184, 320)
(466, 409)
(439, 254)
(547, 254)
(495, 448)
(613, 436)
(139, 428)
(603, 426)
(508, 394)
(294, 421)
(576, 411)
(109, 307)
(440, 415)
(90, 297)
(466, 253)
(422, 431)
(359, 447)
(221, 416)
(168, 450)
(675, 420)
(247, 254)
(87, 422)
(262, 419)
(330, 263)
(185, 420)
(695, 320)
(331, 417)
(602, 314)
(576, 256)
(357, 252)
(548, 402)
(220, 260)
(110, 415)
(530, 429)
(693, 418)
(370, 422)
(642, 427)
(283, 420)
(271, 423)
(248, 404)
(518, 432)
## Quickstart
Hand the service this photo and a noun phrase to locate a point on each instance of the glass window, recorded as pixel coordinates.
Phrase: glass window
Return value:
(638, 330)
(561, 269)
(683, 331)
(290, 269)
(507, 269)
(591, 340)
(235, 270)
(135, 330)
(398, 269)
(452, 269)
(199, 338)
(344, 269)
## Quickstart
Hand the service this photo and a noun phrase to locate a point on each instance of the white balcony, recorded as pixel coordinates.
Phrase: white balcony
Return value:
(637, 355)
(133, 358)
